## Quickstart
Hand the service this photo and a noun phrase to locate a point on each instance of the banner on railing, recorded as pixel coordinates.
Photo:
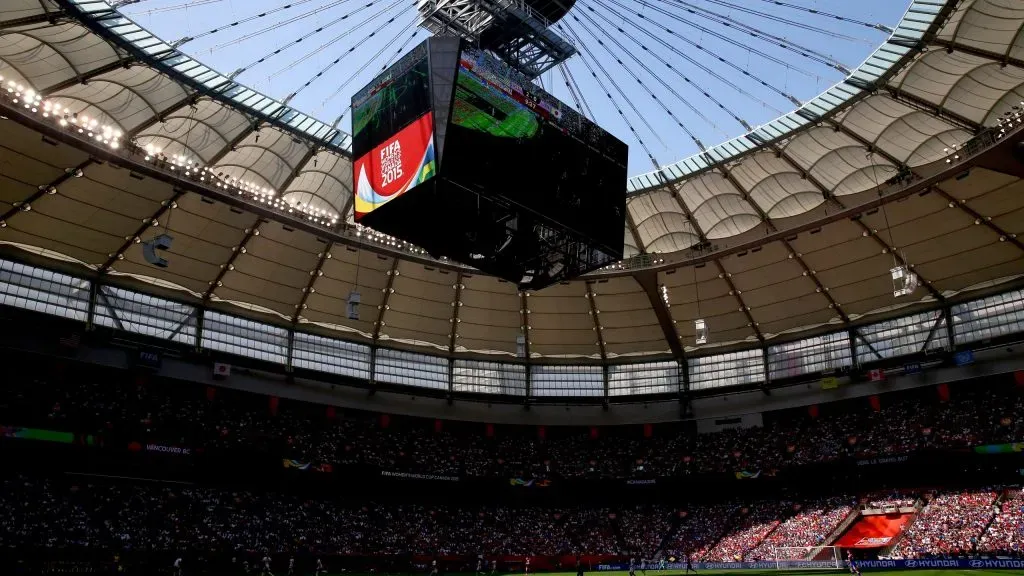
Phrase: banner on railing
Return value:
(413, 476)
(529, 483)
(999, 448)
(994, 564)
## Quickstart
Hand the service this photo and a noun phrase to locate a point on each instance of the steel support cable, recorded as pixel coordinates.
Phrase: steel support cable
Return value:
(720, 36)
(746, 125)
(335, 62)
(611, 98)
(291, 43)
(245, 20)
(792, 23)
(783, 43)
(574, 91)
(656, 56)
(880, 27)
(151, 11)
(278, 25)
(597, 25)
(291, 66)
(370, 60)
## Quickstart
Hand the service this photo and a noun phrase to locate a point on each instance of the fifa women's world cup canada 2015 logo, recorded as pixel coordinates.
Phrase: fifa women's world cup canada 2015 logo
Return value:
(390, 163)
(397, 165)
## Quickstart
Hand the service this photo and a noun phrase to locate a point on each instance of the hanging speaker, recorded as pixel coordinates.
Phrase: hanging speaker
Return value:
(352, 305)
(149, 249)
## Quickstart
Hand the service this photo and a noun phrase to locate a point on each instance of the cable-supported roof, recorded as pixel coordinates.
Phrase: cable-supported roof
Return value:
(766, 216)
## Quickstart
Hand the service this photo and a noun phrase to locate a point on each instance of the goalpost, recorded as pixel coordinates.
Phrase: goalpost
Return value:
(808, 558)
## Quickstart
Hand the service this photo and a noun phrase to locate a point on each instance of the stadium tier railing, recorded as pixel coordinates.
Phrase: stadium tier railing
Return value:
(76, 298)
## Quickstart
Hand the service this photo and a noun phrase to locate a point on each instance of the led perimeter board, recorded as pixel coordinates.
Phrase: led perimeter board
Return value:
(460, 154)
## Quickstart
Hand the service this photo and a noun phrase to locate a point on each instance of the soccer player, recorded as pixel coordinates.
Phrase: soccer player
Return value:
(494, 567)
(291, 566)
(849, 562)
(526, 568)
(177, 566)
(433, 568)
(689, 564)
(479, 564)
(643, 566)
(632, 567)
(579, 566)
(320, 567)
(266, 566)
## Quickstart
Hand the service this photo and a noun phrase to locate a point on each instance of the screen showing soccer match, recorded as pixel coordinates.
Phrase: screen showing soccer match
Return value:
(509, 137)
(393, 133)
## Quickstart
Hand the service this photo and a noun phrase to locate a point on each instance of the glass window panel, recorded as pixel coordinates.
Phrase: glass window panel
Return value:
(330, 355)
(578, 381)
(245, 337)
(988, 318)
(902, 336)
(730, 369)
(411, 369)
(42, 290)
(145, 314)
(809, 356)
(645, 378)
(489, 377)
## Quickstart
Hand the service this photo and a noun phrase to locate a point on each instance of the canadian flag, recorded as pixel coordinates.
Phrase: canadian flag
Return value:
(221, 370)
(876, 375)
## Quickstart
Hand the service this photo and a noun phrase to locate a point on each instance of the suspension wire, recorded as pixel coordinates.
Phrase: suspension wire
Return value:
(789, 22)
(746, 125)
(611, 98)
(879, 27)
(151, 11)
(302, 38)
(783, 43)
(730, 64)
(327, 68)
(597, 25)
(714, 101)
(723, 37)
(277, 26)
(570, 85)
(240, 22)
(370, 60)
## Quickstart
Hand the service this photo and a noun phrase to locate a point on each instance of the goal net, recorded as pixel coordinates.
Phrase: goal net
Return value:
(808, 558)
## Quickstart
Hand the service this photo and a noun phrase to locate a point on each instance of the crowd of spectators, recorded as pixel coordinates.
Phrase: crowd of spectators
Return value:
(889, 500)
(1005, 535)
(756, 523)
(76, 512)
(810, 525)
(115, 408)
(950, 525)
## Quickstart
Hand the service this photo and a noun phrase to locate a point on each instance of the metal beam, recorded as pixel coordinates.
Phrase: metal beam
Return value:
(1004, 59)
(313, 275)
(238, 139)
(870, 146)
(805, 174)
(146, 224)
(84, 78)
(190, 99)
(899, 259)
(900, 95)
(1004, 236)
(384, 301)
(41, 190)
(739, 299)
(524, 320)
(237, 251)
(821, 289)
(44, 18)
(648, 280)
(456, 304)
(597, 321)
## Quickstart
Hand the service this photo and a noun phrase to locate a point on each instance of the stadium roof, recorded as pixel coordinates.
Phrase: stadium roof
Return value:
(755, 235)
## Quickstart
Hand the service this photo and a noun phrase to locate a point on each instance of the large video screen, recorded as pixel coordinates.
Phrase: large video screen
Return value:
(509, 137)
(392, 133)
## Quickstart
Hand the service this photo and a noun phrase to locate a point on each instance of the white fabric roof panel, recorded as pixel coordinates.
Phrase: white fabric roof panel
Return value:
(202, 131)
(325, 182)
